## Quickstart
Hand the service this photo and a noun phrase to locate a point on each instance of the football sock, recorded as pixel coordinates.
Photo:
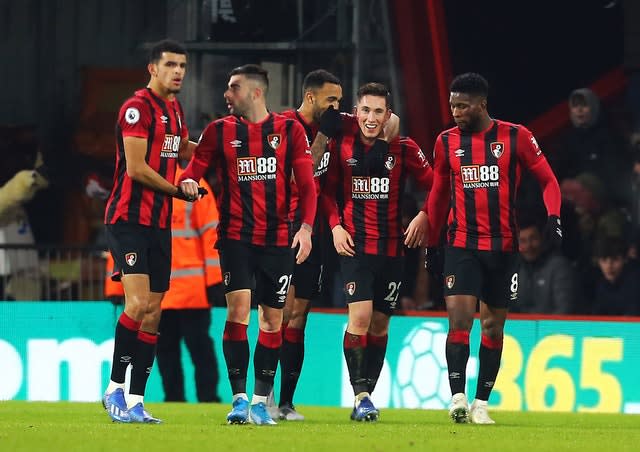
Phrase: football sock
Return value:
(374, 357)
(133, 400)
(457, 353)
(143, 362)
(236, 354)
(291, 358)
(265, 361)
(354, 353)
(125, 344)
(489, 357)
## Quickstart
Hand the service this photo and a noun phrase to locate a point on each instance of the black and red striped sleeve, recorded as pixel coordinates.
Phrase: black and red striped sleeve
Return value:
(328, 203)
(437, 203)
(302, 164)
(135, 118)
(203, 154)
(532, 158)
(418, 165)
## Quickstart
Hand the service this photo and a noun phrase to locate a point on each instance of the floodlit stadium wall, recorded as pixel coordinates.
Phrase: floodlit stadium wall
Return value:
(62, 351)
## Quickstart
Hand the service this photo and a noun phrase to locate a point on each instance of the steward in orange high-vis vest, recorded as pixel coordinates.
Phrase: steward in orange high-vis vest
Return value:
(196, 282)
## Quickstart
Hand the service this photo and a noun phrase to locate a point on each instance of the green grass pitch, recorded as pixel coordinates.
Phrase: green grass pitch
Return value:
(65, 426)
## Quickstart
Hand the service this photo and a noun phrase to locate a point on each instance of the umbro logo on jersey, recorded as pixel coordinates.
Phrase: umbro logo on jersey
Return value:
(459, 152)
(164, 119)
(235, 143)
(351, 161)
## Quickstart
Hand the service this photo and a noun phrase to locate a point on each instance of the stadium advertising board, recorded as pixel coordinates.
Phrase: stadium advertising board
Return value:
(62, 350)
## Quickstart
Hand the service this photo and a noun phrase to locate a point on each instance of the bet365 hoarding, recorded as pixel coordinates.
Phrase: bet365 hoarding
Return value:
(62, 351)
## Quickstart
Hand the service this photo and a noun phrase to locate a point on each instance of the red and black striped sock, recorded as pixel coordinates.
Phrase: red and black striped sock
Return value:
(265, 361)
(124, 348)
(489, 357)
(354, 346)
(374, 357)
(143, 362)
(235, 347)
(457, 353)
(291, 359)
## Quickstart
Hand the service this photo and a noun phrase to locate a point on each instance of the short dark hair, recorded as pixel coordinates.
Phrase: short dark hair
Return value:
(610, 247)
(316, 79)
(166, 45)
(374, 89)
(253, 72)
(470, 83)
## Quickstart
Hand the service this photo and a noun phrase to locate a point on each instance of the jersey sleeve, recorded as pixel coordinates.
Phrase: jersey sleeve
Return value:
(437, 203)
(418, 165)
(134, 118)
(203, 154)
(532, 158)
(328, 203)
(303, 171)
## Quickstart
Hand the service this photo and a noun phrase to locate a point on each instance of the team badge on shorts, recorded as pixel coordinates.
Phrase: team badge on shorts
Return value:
(130, 259)
(390, 162)
(274, 140)
(350, 287)
(450, 281)
(227, 278)
(497, 148)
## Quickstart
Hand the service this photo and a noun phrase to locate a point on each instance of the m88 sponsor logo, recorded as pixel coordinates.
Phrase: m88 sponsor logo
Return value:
(256, 168)
(369, 187)
(480, 176)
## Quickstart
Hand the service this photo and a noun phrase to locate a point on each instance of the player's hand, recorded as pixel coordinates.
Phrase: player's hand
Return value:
(375, 158)
(343, 241)
(303, 240)
(187, 190)
(416, 233)
(330, 122)
(553, 233)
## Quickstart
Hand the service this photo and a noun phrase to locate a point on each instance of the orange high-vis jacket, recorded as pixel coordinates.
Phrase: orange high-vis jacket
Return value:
(111, 288)
(195, 263)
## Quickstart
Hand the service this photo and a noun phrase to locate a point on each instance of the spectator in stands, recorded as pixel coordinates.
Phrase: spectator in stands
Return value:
(196, 285)
(617, 289)
(546, 280)
(591, 146)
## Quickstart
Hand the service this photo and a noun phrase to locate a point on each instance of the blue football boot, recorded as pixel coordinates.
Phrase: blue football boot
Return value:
(116, 406)
(259, 415)
(239, 413)
(137, 413)
(366, 411)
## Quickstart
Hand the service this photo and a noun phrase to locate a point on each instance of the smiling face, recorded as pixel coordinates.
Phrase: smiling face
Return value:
(372, 113)
(321, 98)
(167, 73)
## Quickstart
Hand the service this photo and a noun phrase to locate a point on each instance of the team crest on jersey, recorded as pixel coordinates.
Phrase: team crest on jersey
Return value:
(450, 281)
(130, 259)
(497, 148)
(390, 162)
(350, 287)
(227, 278)
(274, 140)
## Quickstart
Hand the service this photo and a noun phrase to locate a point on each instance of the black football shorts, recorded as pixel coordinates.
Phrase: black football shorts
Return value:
(490, 276)
(139, 249)
(266, 270)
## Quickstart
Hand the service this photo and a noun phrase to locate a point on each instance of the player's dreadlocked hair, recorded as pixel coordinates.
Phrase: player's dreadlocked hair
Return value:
(470, 83)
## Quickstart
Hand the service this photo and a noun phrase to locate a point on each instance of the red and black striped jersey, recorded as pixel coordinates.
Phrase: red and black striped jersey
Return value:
(372, 212)
(161, 123)
(349, 125)
(253, 163)
(477, 177)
